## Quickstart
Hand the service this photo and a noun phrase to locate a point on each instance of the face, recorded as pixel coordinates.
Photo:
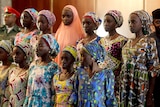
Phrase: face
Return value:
(88, 25)
(135, 23)
(67, 16)
(3, 55)
(156, 23)
(18, 55)
(109, 23)
(42, 48)
(86, 59)
(26, 19)
(67, 60)
(42, 23)
(9, 19)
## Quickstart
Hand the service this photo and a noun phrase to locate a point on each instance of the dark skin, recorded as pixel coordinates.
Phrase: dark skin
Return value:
(67, 16)
(4, 55)
(67, 61)
(136, 27)
(156, 23)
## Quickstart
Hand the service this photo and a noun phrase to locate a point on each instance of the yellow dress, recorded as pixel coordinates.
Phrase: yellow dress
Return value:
(63, 90)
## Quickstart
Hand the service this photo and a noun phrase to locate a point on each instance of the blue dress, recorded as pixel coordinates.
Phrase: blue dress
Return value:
(97, 91)
(39, 93)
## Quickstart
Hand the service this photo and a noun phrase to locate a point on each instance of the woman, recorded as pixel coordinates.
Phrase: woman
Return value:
(18, 76)
(140, 62)
(6, 60)
(28, 22)
(70, 29)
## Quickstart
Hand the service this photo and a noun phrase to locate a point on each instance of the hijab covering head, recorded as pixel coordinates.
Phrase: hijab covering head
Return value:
(96, 51)
(96, 20)
(117, 16)
(69, 34)
(6, 45)
(33, 13)
(145, 19)
(49, 15)
(72, 50)
(28, 50)
(156, 14)
(52, 43)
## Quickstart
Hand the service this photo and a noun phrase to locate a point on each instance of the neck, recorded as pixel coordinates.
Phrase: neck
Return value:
(6, 63)
(46, 31)
(112, 33)
(139, 34)
(23, 65)
(46, 59)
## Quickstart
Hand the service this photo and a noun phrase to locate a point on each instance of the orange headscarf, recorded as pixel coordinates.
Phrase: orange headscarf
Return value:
(69, 34)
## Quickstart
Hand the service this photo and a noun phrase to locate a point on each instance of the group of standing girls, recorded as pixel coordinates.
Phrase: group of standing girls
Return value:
(75, 67)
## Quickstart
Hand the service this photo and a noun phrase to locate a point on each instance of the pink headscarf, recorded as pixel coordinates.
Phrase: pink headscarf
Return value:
(33, 13)
(69, 35)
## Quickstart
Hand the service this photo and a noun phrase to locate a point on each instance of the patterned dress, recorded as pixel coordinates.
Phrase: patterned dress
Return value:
(39, 92)
(4, 89)
(17, 86)
(63, 90)
(97, 91)
(140, 63)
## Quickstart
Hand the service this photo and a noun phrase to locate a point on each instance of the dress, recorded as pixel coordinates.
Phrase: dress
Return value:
(4, 89)
(97, 91)
(63, 90)
(17, 86)
(140, 63)
(39, 92)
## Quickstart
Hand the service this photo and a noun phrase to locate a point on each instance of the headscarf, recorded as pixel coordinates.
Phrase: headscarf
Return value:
(145, 19)
(72, 50)
(33, 13)
(156, 14)
(6, 45)
(70, 34)
(49, 15)
(28, 50)
(96, 51)
(117, 16)
(94, 18)
(52, 43)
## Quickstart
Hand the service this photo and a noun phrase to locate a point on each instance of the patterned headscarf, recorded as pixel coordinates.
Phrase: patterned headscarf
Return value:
(53, 44)
(6, 45)
(49, 15)
(33, 13)
(94, 18)
(28, 50)
(72, 50)
(117, 16)
(96, 51)
(145, 19)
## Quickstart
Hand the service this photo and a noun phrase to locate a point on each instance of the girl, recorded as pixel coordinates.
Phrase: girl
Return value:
(41, 72)
(63, 81)
(18, 76)
(70, 29)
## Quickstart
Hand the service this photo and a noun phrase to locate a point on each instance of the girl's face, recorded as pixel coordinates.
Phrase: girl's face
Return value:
(88, 25)
(42, 23)
(26, 19)
(3, 55)
(86, 59)
(67, 60)
(156, 23)
(42, 48)
(135, 23)
(67, 16)
(18, 55)
(109, 23)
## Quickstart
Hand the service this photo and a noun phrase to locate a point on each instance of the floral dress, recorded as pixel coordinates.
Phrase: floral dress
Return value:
(4, 89)
(39, 92)
(17, 80)
(63, 90)
(97, 91)
(140, 63)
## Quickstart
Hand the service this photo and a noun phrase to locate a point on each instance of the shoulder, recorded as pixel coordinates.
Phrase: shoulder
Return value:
(2, 28)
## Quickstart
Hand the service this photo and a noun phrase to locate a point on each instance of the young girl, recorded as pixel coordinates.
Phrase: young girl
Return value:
(94, 86)
(18, 76)
(28, 22)
(63, 81)
(70, 29)
(6, 58)
(41, 72)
